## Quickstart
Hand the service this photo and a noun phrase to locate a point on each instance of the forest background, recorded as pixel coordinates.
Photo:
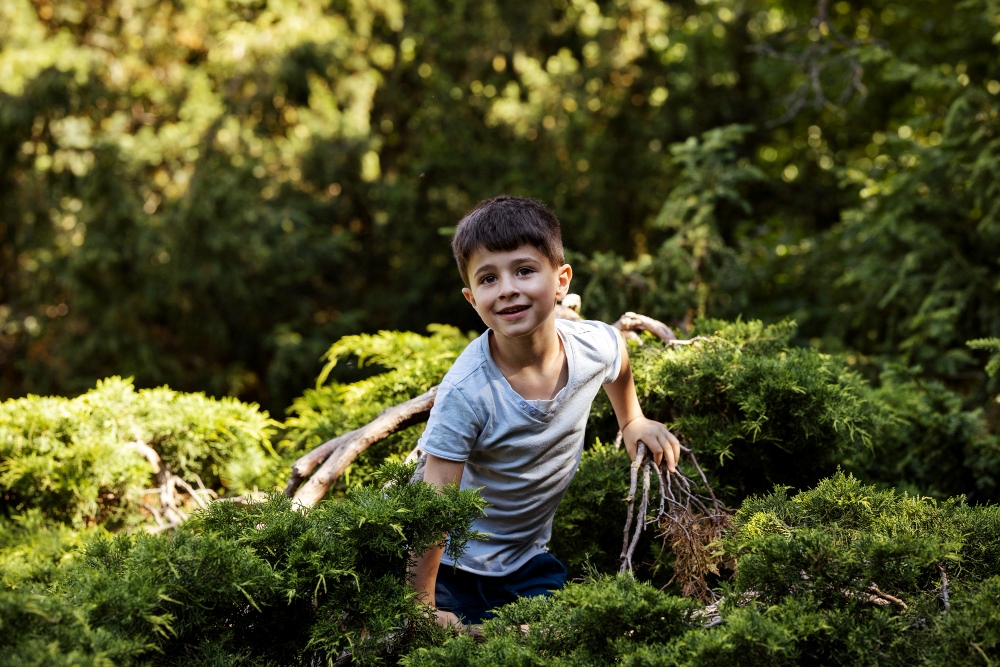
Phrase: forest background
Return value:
(208, 195)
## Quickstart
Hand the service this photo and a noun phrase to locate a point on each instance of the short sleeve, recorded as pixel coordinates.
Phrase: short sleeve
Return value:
(453, 426)
(613, 354)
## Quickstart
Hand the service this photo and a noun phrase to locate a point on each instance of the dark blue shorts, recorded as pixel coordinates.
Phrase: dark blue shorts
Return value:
(471, 597)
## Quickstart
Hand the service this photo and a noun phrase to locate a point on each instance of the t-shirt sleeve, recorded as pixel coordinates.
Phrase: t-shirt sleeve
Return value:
(612, 353)
(453, 426)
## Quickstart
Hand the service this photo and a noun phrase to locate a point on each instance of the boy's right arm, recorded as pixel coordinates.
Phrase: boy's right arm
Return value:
(423, 573)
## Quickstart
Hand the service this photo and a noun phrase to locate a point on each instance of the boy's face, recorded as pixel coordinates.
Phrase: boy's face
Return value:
(515, 291)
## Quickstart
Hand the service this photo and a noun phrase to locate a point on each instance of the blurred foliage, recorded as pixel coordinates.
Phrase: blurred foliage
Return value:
(206, 195)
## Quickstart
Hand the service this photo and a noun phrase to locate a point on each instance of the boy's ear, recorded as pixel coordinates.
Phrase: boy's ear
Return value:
(467, 293)
(564, 274)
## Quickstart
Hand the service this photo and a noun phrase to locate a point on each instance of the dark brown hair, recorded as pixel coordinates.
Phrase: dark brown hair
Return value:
(506, 223)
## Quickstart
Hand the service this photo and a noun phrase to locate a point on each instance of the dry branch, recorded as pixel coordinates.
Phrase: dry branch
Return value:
(883, 599)
(824, 50)
(170, 512)
(944, 587)
(338, 453)
(630, 322)
(687, 521)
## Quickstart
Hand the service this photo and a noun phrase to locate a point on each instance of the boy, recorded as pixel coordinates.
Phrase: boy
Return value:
(509, 416)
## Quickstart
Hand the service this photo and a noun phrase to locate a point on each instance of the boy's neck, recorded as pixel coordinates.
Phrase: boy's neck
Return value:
(535, 366)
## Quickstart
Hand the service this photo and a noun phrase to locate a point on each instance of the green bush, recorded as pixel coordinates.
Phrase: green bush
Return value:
(587, 529)
(842, 573)
(71, 458)
(599, 622)
(931, 443)
(260, 585)
(32, 548)
(755, 409)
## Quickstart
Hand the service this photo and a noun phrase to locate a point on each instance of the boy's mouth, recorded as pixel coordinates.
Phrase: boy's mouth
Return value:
(511, 310)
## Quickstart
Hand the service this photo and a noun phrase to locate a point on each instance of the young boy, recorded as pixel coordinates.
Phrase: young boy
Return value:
(509, 416)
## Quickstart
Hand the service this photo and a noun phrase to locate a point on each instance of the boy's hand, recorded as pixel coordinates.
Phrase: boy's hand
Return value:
(447, 619)
(662, 445)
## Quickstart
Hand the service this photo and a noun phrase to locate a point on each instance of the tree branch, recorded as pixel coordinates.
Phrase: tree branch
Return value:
(338, 453)
(631, 322)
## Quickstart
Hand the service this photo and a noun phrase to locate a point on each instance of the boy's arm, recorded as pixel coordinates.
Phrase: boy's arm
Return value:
(423, 572)
(661, 443)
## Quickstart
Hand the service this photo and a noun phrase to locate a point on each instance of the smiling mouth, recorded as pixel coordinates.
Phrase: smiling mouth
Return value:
(513, 310)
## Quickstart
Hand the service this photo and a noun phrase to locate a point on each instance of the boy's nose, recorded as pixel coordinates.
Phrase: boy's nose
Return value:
(508, 288)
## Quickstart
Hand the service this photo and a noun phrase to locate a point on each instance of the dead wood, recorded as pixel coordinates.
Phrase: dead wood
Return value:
(944, 587)
(629, 323)
(687, 521)
(883, 599)
(170, 511)
(338, 453)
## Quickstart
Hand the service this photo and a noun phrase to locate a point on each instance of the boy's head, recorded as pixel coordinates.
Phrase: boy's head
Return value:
(506, 223)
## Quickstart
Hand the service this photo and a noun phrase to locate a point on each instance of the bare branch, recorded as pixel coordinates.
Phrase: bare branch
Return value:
(944, 587)
(820, 48)
(635, 322)
(389, 421)
(340, 452)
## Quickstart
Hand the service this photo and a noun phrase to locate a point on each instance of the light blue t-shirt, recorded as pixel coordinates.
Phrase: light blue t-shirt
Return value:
(521, 454)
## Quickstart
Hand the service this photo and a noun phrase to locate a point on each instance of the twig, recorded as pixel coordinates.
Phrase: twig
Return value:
(874, 590)
(824, 48)
(626, 555)
(944, 587)
(170, 513)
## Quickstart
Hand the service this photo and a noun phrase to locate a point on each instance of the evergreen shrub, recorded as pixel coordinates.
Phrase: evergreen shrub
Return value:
(32, 548)
(931, 443)
(755, 409)
(72, 458)
(842, 573)
(257, 585)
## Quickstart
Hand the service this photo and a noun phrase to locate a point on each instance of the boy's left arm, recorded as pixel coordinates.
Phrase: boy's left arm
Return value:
(661, 443)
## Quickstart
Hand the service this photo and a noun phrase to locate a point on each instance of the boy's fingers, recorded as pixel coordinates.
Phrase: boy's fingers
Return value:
(447, 619)
(669, 458)
(675, 445)
(654, 449)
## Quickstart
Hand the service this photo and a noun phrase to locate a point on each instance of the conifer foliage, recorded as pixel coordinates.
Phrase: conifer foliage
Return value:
(757, 409)
(80, 461)
(257, 585)
(840, 574)
(816, 566)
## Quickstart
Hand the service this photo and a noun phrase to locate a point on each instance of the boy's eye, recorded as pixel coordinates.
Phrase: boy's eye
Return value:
(524, 271)
(486, 280)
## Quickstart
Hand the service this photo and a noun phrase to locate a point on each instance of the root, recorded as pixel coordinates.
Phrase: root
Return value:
(687, 521)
